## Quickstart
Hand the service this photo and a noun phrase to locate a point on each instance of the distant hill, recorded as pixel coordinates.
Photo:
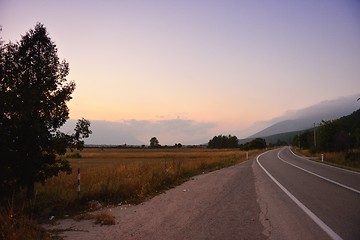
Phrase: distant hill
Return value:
(273, 139)
(305, 118)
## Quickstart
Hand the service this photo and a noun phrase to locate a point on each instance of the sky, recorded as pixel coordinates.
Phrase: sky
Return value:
(185, 71)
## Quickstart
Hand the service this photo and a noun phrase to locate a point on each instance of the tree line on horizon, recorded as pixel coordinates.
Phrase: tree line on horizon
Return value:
(222, 141)
(342, 134)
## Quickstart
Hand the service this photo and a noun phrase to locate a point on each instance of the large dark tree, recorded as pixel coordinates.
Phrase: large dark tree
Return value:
(34, 93)
(154, 143)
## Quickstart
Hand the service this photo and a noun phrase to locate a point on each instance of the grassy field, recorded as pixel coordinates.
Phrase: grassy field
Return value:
(112, 176)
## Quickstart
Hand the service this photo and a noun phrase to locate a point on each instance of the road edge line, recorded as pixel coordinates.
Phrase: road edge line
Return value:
(324, 164)
(317, 220)
(317, 175)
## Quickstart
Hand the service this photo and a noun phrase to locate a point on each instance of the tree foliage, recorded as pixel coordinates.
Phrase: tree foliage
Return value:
(334, 135)
(34, 93)
(154, 143)
(304, 140)
(221, 141)
(257, 143)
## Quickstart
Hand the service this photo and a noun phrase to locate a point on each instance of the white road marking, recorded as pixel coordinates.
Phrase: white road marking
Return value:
(317, 175)
(317, 220)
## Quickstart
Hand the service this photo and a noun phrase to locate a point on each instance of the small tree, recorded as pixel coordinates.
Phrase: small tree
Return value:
(34, 92)
(154, 143)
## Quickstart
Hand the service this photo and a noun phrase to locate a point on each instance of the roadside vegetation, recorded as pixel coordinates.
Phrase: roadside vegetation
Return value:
(113, 176)
(337, 140)
(34, 91)
(349, 160)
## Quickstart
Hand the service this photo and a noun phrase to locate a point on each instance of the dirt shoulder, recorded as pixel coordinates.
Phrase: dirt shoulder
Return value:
(217, 205)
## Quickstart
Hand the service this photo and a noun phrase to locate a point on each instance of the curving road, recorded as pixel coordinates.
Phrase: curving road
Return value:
(327, 199)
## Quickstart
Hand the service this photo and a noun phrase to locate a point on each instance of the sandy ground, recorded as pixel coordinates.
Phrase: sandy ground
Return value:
(219, 205)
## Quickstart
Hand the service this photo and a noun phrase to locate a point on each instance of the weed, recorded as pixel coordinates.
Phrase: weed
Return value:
(105, 219)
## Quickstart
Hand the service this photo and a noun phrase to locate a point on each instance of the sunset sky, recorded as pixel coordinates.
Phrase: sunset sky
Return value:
(185, 71)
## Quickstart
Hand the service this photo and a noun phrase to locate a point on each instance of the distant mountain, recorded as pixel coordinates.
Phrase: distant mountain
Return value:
(305, 118)
(273, 139)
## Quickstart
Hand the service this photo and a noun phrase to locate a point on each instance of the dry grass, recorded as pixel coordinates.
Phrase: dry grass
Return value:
(112, 176)
(16, 225)
(132, 175)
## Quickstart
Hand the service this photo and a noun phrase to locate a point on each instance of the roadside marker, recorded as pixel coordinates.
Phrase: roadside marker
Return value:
(78, 183)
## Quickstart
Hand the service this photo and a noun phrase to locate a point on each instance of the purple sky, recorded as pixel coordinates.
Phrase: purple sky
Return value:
(218, 66)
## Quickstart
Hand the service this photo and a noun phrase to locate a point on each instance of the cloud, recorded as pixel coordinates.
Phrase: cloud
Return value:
(138, 132)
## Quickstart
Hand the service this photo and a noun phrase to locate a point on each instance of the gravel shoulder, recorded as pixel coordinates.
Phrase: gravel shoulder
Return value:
(218, 205)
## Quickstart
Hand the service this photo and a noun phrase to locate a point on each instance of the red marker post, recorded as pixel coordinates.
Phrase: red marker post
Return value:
(78, 183)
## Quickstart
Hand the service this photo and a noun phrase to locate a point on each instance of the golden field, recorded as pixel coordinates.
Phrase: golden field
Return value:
(114, 175)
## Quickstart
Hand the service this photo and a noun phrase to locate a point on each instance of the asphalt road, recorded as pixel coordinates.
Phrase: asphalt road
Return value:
(325, 198)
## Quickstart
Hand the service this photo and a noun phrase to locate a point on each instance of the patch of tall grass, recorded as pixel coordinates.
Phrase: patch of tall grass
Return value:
(16, 224)
(349, 159)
